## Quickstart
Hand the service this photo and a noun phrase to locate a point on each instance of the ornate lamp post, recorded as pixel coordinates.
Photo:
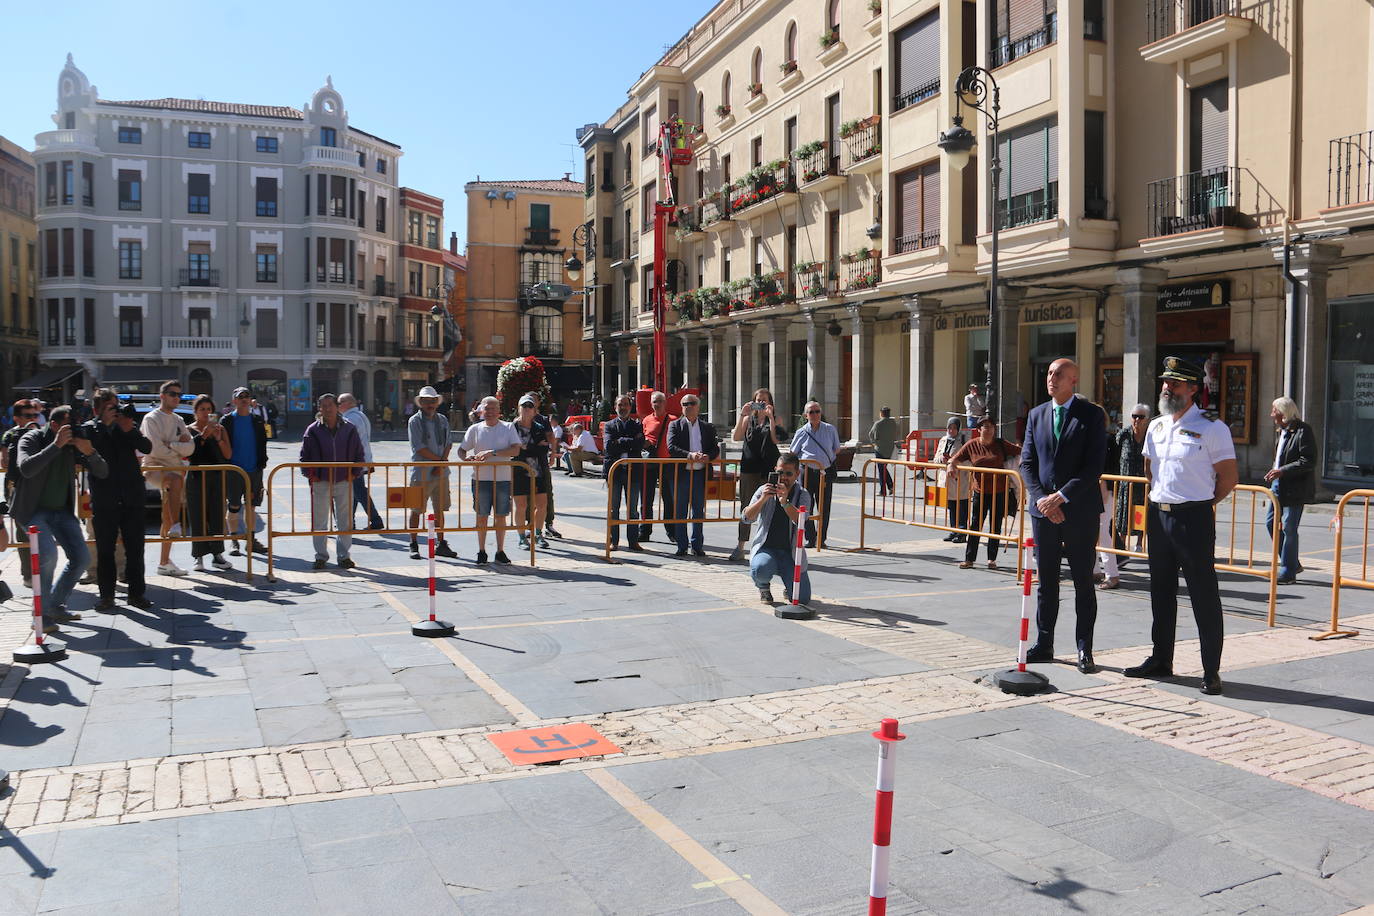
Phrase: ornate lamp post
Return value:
(973, 88)
(584, 237)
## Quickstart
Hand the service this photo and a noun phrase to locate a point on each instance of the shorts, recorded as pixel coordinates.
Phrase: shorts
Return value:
(521, 482)
(487, 492)
(434, 491)
(233, 488)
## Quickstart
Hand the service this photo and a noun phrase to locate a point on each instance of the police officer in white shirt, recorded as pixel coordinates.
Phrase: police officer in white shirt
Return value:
(1191, 465)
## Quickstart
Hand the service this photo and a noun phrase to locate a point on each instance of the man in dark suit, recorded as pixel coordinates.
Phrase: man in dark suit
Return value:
(692, 438)
(1293, 481)
(624, 438)
(1061, 462)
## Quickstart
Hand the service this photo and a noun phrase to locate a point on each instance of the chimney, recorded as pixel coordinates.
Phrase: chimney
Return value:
(567, 176)
(453, 243)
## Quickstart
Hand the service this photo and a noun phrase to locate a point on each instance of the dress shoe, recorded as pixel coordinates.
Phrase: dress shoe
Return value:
(378, 525)
(320, 563)
(105, 606)
(1150, 668)
(501, 557)
(1039, 653)
(636, 548)
(1287, 580)
(1086, 665)
(443, 550)
(346, 563)
(141, 603)
(697, 551)
(680, 552)
(1211, 685)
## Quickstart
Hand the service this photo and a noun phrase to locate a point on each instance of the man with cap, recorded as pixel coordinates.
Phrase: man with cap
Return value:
(429, 441)
(248, 443)
(1190, 463)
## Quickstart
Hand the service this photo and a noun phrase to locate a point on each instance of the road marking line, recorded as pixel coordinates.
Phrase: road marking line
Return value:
(522, 713)
(716, 872)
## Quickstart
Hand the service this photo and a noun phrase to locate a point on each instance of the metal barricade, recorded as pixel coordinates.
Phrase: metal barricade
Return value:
(918, 499)
(722, 488)
(920, 444)
(1338, 577)
(402, 497)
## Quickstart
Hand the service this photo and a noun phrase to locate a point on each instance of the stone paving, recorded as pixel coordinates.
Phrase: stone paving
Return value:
(294, 731)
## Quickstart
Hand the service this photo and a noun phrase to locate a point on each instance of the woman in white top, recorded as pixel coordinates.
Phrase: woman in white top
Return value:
(958, 487)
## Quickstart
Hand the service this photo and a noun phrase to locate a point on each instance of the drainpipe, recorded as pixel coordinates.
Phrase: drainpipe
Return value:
(1290, 375)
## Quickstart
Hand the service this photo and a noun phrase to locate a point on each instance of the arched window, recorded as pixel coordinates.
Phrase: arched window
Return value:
(629, 164)
(832, 15)
(756, 69)
(701, 108)
(200, 382)
(725, 90)
(789, 44)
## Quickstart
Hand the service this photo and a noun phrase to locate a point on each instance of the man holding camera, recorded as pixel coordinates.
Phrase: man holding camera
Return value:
(775, 509)
(46, 499)
(25, 418)
(117, 500)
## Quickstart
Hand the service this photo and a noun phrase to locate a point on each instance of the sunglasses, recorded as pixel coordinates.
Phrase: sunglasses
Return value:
(813, 411)
(690, 403)
(1137, 417)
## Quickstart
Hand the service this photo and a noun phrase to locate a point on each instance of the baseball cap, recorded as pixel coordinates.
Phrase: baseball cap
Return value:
(241, 391)
(527, 401)
(1181, 370)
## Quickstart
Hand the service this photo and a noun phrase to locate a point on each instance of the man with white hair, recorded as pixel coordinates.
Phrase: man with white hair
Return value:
(817, 441)
(583, 450)
(1293, 480)
(491, 440)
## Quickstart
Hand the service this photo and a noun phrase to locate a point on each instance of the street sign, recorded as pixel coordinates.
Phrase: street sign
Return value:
(552, 742)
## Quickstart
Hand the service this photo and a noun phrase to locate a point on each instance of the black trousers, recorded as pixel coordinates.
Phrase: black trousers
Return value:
(1184, 540)
(993, 508)
(112, 523)
(651, 482)
(1075, 541)
(811, 479)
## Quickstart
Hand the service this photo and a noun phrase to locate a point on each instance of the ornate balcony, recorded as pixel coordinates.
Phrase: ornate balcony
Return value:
(862, 269)
(863, 144)
(773, 184)
(200, 348)
(819, 167)
(1006, 49)
(66, 141)
(1219, 198)
(384, 288)
(1176, 30)
(331, 157)
(198, 276)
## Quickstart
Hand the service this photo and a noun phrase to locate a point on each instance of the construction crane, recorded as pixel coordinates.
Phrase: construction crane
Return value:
(674, 148)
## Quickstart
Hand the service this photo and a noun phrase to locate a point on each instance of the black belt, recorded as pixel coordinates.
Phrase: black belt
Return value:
(1175, 507)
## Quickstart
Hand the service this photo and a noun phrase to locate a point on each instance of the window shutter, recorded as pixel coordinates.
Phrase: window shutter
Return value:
(908, 202)
(1029, 158)
(930, 203)
(267, 189)
(1210, 128)
(918, 54)
(1022, 17)
(198, 185)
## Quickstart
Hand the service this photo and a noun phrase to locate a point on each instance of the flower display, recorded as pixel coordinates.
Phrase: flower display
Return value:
(518, 376)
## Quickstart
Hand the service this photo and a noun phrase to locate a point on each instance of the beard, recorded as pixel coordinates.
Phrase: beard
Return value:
(1170, 403)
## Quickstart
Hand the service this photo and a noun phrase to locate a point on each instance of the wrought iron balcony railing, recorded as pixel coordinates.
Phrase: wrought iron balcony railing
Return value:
(864, 141)
(1006, 49)
(919, 94)
(198, 276)
(1350, 170)
(384, 348)
(541, 237)
(915, 241)
(1164, 18)
(862, 269)
(1209, 199)
(1036, 207)
(761, 184)
(541, 346)
(817, 162)
(381, 287)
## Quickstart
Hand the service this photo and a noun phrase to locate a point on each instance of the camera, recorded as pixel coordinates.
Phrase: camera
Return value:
(760, 406)
(127, 410)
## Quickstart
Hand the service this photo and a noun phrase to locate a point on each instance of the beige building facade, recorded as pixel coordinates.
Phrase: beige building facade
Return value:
(519, 300)
(18, 271)
(1158, 160)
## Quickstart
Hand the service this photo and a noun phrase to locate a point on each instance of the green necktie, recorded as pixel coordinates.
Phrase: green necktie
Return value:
(1058, 422)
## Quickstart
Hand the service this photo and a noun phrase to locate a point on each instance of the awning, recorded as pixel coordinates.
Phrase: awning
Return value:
(125, 375)
(48, 378)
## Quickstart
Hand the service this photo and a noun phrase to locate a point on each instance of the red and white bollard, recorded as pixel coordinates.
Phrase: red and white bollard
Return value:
(1019, 680)
(795, 611)
(41, 651)
(432, 628)
(887, 736)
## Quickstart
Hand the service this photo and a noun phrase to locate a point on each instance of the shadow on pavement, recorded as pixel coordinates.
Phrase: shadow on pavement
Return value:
(10, 841)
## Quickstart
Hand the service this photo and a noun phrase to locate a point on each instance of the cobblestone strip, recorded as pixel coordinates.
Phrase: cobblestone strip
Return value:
(228, 780)
(1334, 767)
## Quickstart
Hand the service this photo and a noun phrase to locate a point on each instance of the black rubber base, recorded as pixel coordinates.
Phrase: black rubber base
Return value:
(4, 782)
(1021, 683)
(50, 651)
(794, 612)
(433, 629)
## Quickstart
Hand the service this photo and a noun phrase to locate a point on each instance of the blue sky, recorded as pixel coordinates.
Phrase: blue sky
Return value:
(466, 89)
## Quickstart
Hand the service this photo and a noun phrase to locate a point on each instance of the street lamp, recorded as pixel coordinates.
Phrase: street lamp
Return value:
(972, 89)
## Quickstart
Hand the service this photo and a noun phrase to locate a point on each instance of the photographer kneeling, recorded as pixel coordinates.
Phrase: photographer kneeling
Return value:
(775, 508)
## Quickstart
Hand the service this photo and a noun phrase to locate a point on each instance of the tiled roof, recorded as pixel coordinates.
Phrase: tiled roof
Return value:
(555, 184)
(227, 108)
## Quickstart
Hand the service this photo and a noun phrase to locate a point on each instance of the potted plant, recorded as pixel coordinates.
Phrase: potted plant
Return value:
(875, 7)
(850, 127)
(722, 111)
(755, 90)
(829, 37)
(788, 66)
(806, 267)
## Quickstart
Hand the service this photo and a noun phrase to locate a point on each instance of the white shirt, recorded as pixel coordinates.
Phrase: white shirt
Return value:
(497, 438)
(1278, 447)
(973, 405)
(359, 419)
(694, 443)
(586, 442)
(1183, 456)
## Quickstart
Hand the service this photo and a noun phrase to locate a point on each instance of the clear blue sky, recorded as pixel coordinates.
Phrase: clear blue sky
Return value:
(467, 89)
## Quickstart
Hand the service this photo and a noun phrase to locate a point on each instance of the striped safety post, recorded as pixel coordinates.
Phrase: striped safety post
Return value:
(432, 628)
(1019, 680)
(42, 651)
(887, 736)
(796, 610)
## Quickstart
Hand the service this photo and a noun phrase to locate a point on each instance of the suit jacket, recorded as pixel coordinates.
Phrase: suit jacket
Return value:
(622, 439)
(1298, 461)
(1073, 466)
(679, 439)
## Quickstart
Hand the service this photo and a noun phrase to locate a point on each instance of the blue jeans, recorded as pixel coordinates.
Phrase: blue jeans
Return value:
(624, 485)
(361, 497)
(1288, 538)
(767, 562)
(690, 487)
(59, 528)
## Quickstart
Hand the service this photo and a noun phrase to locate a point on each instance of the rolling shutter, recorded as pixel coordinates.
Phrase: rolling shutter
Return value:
(1209, 126)
(1030, 158)
(918, 54)
(909, 202)
(1018, 18)
(930, 203)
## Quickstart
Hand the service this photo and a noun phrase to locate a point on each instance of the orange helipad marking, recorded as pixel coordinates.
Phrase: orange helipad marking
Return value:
(553, 742)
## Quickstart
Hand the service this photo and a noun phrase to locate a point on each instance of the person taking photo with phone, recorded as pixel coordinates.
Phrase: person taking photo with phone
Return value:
(757, 427)
(118, 499)
(773, 511)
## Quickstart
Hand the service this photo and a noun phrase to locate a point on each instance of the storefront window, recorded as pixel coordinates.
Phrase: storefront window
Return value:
(1350, 413)
(976, 363)
(1049, 342)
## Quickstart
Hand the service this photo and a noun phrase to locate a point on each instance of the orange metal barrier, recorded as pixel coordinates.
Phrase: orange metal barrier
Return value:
(722, 493)
(918, 499)
(920, 444)
(399, 498)
(1339, 578)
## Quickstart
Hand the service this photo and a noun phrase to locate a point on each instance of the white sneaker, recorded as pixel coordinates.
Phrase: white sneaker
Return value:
(170, 569)
(219, 562)
(174, 531)
(200, 564)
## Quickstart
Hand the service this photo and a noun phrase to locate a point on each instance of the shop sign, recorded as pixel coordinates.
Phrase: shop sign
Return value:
(298, 395)
(1049, 311)
(1209, 294)
(1364, 391)
(961, 321)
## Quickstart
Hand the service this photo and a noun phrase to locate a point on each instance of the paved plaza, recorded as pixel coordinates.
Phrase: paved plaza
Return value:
(288, 746)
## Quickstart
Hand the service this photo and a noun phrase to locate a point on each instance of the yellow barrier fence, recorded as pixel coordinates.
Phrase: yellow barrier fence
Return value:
(919, 498)
(1338, 577)
(721, 502)
(406, 490)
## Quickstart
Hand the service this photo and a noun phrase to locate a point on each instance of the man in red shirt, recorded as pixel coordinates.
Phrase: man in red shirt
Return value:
(656, 446)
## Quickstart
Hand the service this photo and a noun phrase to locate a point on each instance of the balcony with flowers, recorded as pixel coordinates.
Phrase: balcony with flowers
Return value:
(862, 269)
(756, 99)
(819, 167)
(863, 142)
(715, 210)
(689, 228)
(816, 280)
(772, 184)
